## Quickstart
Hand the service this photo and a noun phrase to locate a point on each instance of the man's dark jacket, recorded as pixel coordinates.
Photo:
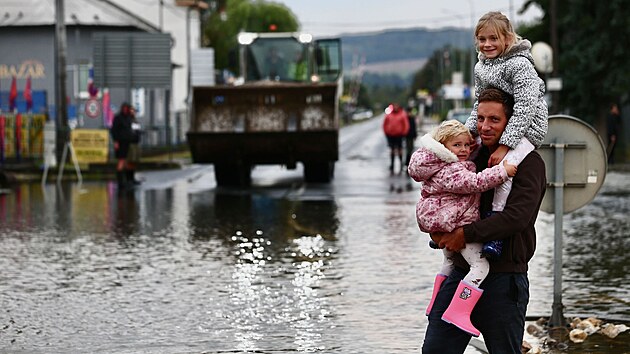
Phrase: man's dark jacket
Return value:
(515, 224)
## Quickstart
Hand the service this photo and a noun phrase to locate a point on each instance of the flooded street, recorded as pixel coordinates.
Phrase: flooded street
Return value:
(180, 266)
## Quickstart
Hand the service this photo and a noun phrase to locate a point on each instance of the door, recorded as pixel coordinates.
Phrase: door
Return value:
(328, 59)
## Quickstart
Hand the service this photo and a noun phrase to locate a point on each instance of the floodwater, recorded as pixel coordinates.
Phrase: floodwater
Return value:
(180, 266)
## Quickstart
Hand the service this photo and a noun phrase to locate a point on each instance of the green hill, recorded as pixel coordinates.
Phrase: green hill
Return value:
(404, 45)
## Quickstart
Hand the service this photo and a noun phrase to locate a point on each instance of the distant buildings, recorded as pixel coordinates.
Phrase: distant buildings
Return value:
(27, 39)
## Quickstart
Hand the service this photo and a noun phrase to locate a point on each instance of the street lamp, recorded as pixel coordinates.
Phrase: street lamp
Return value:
(473, 51)
(60, 85)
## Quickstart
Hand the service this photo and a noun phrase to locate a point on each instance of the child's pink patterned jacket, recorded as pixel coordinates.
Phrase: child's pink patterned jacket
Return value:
(451, 189)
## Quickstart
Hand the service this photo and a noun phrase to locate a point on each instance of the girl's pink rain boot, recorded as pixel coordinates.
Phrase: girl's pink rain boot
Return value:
(458, 312)
(439, 279)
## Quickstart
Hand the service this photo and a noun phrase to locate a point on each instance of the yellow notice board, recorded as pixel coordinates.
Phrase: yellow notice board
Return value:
(90, 145)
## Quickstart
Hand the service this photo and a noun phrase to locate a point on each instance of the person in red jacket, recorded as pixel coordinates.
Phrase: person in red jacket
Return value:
(395, 127)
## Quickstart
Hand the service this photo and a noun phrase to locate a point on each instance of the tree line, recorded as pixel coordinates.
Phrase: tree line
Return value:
(592, 52)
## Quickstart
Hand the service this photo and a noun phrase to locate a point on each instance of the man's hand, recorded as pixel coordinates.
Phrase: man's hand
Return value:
(498, 155)
(452, 241)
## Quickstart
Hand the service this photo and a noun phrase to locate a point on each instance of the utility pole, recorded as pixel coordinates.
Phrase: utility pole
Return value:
(554, 47)
(60, 94)
(473, 53)
(161, 15)
(557, 309)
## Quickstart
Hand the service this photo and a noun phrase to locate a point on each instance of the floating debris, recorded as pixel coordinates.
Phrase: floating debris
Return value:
(589, 325)
(611, 331)
(535, 330)
(544, 339)
(593, 325)
(578, 335)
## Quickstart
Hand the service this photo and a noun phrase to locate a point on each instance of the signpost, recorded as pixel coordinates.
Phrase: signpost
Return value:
(90, 145)
(575, 159)
(50, 159)
(92, 108)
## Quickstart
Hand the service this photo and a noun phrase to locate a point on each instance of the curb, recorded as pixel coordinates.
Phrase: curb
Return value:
(16, 173)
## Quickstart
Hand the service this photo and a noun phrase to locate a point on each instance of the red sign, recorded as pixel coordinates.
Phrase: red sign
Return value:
(92, 108)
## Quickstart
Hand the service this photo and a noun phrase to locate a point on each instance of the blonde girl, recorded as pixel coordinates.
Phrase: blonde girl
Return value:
(449, 198)
(505, 62)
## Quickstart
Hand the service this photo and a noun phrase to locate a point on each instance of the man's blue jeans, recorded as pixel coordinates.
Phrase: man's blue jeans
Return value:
(499, 315)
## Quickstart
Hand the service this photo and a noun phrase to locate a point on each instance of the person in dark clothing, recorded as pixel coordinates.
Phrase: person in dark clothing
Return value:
(411, 136)
(500, 305)
(276, 65)
(613, 128)
(123, 135)
(133, 156)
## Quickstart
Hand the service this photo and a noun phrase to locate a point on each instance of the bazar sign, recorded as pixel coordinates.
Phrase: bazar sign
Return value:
(33, 68)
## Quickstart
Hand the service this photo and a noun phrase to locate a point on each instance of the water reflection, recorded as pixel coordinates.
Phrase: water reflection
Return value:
(281, 249)
(85, 269)
(15, 210)
(162, 266)
(123, 215)
(597, 255)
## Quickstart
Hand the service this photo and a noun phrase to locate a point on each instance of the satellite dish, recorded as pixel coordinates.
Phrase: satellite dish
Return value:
(585, 162)
(543, 57)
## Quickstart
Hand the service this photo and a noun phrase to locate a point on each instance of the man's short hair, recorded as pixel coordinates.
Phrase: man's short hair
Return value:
(493, 94)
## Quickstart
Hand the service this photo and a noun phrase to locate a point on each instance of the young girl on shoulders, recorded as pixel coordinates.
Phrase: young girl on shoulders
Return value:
(505, 62)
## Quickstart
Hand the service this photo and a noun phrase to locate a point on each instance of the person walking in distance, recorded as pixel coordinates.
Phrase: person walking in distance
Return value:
(613, 129)
(499, 314)
(395, 127)
(449, 198)
(411, 136)
(505, 62)
(123, 135)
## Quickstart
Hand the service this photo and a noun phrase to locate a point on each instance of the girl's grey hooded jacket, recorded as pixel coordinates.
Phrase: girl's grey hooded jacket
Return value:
(514, 73)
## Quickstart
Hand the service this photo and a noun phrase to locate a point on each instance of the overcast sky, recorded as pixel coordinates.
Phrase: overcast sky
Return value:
(333, 17)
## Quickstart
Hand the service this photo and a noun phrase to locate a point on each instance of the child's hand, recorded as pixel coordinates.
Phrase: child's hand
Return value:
(498, 155)
(510, 169)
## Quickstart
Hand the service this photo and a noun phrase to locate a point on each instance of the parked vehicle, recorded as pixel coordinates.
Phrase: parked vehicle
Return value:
(460, 114)
(361, 114)
(284, 112)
